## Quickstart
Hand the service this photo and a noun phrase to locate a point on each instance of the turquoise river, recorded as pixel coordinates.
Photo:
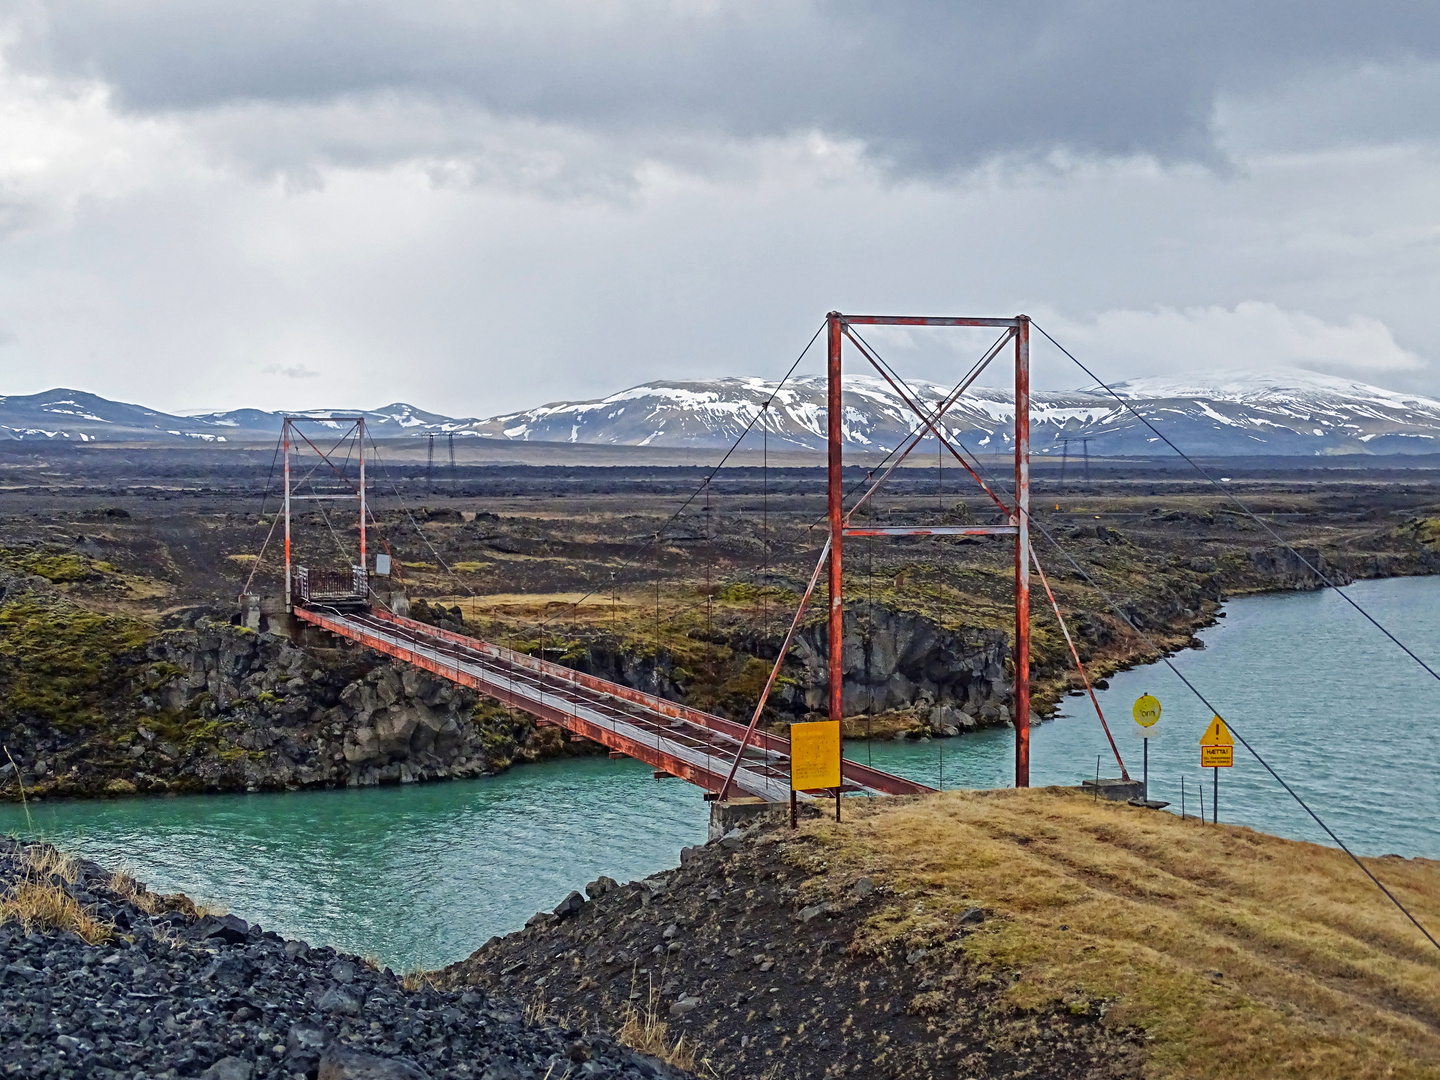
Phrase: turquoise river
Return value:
(420, 875)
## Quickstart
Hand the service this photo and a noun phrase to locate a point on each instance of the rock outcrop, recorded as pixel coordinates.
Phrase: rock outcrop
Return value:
(218, 707)
(894, 660)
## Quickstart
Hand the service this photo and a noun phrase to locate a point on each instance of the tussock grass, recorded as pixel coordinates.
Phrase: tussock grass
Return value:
(40, 900)
(414, 980)
(126, 887)
(1240, 955)
(643, 1029)
(197, 909)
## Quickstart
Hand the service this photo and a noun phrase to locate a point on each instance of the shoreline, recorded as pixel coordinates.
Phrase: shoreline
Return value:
(108, 978)
(526, 742)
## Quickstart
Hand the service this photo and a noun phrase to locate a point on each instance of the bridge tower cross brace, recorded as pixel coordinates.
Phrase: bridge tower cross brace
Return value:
(291, 436)
(1018, 332)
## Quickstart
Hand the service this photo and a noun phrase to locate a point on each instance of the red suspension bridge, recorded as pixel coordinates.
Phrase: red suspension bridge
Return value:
(718, 754)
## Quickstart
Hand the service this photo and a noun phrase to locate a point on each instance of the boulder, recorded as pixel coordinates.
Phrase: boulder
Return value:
(570, 906)
(228, 928)
(600, 886)
(342, 1063)
(229, 1068)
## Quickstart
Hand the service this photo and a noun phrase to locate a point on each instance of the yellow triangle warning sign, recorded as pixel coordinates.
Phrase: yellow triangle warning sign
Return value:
(1217, 734)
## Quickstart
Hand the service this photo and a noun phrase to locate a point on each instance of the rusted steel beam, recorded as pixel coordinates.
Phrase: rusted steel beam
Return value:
(835, 447)
(927, 421)
(1022, 553)
(933, 530)
(289, 598)
(775, 671)
(587, 689)
(1080, 667)
(926, 320)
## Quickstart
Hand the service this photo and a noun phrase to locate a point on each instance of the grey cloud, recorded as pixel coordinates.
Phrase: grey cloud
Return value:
(929, 87)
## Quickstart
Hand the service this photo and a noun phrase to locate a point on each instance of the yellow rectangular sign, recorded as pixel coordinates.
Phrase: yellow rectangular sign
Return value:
(1217, 757)
(815, 755)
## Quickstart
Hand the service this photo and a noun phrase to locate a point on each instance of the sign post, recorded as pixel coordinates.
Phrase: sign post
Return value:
(1217, 751)
(814, 761)
(1147, 714)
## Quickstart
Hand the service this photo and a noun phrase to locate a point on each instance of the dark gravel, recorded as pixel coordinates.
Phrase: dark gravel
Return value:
(755, 954)
(175, 995)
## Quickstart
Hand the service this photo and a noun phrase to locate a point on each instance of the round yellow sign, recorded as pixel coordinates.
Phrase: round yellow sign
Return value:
(1147, 711)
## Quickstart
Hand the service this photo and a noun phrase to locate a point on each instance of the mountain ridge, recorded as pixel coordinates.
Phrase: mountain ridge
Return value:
(1232, 413)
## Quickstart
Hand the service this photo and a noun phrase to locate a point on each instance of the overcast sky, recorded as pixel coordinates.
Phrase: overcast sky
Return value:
(477, 207)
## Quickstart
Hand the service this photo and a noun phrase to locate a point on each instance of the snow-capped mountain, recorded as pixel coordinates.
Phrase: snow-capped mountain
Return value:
(80, 417)
(75, 416)
(1239, 414)
(1231, 413)
(387, 422)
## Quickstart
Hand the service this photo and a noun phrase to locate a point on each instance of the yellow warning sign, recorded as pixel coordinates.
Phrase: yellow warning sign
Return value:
(1146, 711)
(1217, 757)
(1217, 746)
(1217, 734)
(815, 755)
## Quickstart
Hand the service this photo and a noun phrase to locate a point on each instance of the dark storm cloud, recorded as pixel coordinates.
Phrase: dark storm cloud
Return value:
(928, 86)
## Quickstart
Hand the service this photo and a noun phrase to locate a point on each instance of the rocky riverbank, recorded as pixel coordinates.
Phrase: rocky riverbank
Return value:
(92, 704)
(103, 980)
(1001, 934)
(95, 701)
(738, 952)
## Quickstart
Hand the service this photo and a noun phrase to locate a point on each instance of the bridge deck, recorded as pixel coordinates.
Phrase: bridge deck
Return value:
(693, 745)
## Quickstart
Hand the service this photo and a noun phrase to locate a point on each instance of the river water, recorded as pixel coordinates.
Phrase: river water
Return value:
(420, 875)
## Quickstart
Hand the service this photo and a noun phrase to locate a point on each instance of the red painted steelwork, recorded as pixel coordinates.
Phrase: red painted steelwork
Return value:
(1019, 523)
(674, 710)
(834, 431)
(936, 413)
(587, 690)
(926, 320)
(552, 714)
(1022, 553)
(933, 530)
(928, 421)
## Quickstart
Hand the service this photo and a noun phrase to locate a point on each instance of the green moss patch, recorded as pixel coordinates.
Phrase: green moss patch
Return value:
(59, 664)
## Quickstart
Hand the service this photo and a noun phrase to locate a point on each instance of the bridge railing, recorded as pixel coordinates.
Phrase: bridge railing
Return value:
(330, 586)
(761, 740)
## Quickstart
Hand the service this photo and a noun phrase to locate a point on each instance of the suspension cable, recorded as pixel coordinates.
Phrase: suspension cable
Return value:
(641, 548)
(1120, 611)
(1229, 495)
(1165, 659)
(1084, 676)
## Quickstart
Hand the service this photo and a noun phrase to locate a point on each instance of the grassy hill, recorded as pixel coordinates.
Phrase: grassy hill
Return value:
(1009, 933)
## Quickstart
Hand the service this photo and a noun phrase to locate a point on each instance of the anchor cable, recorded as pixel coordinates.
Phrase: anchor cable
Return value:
(1120, 611)
(1125, 617)
(1230, 496)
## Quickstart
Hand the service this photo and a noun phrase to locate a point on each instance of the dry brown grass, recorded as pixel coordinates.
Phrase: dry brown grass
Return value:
(196, 909)
(414, 980)
(126, 887)
(1240, 955)
(642, 1029)
(37, 902)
